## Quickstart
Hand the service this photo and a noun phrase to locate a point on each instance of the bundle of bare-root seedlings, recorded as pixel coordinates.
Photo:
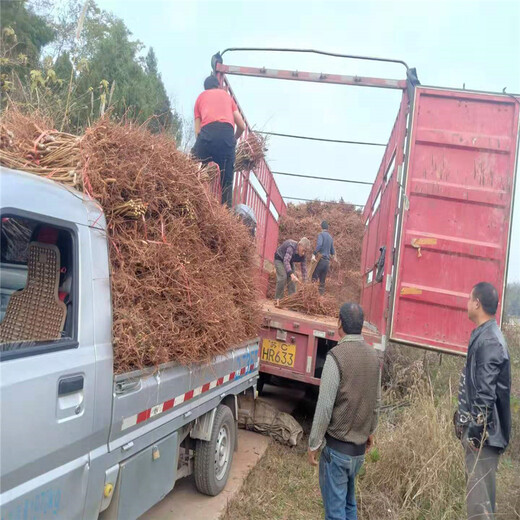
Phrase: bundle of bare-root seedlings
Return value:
(250, 152)
(182, 264)
(346, 227)
(26, 143)
(308, 300)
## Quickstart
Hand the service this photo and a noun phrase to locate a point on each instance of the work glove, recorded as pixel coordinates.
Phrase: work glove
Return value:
(313, 258)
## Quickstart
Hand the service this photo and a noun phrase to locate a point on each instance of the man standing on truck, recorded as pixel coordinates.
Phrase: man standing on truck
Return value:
(216, 115)
(326, 252)
(483, 418)
(285, 257)
(346, 414)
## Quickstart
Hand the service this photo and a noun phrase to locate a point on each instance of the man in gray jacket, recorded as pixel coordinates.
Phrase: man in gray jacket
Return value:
(483, 418)
(346, 414)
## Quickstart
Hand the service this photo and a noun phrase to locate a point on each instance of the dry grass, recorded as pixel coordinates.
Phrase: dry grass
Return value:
(250, 152)
(512, 335)
(26, 143)
(183, 271)
(417, 470)
(281, 487)
(419, 473)
(308, 300)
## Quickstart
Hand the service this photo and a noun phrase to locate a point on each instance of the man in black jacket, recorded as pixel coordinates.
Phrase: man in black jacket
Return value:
(483, 418)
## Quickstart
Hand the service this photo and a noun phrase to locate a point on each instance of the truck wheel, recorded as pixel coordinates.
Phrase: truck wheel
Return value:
(213, 458)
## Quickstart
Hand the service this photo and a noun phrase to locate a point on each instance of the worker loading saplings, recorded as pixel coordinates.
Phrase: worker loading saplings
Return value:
(285, 257)
(216, 115)
(323, 254)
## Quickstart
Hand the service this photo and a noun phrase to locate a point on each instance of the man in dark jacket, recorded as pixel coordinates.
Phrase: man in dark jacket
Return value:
(324, 248)
(285, 257)
(483, 418)
(346, 414)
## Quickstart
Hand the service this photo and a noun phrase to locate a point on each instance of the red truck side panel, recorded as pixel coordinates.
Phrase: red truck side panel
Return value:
(456, 219)
(380, 220)
(443, 213)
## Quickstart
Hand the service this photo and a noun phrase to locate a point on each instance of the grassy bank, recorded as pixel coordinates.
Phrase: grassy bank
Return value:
(416, 470)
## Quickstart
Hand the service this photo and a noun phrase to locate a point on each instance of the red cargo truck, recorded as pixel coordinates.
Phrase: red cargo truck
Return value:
(440, 210)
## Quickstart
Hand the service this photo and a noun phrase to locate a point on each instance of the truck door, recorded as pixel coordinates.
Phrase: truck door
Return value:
(457, 205)
(46, 380)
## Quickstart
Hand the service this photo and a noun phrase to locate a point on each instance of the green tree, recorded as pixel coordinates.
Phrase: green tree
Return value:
(32, 31)
(23, 35)
(165, 119)
(63, 65)
(151, 64)
(117, 74)
(92, 64)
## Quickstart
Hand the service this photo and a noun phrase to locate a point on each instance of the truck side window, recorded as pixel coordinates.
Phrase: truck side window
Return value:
(36, 287)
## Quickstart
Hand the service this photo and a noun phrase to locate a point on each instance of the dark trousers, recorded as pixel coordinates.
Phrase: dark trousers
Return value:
(320, 273)
(216, 142)
(282, 280)
(481, 468)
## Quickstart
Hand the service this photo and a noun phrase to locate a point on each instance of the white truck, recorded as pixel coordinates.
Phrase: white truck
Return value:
(77, 441)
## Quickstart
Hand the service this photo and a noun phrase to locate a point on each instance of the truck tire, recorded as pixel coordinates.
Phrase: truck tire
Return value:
(213, 458)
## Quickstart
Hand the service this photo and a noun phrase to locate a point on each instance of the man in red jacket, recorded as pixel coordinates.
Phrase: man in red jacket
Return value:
(216, 115)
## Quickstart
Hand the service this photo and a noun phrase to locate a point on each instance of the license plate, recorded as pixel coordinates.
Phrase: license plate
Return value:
(278, 352)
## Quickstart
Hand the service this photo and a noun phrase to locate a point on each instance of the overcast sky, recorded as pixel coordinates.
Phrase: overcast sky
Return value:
(450, 43)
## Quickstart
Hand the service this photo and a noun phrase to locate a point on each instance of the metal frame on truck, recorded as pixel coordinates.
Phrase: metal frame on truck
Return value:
(438, 217)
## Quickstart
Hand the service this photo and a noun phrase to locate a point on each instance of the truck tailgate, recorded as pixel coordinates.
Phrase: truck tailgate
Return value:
(291, 342)
(457, 220)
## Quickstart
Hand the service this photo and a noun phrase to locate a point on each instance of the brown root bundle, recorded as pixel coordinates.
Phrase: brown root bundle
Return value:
(183, 273)
(308, 300)
(209, 172)
(183, 278)
(346, 227)
(27, 143)
(249, 152)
